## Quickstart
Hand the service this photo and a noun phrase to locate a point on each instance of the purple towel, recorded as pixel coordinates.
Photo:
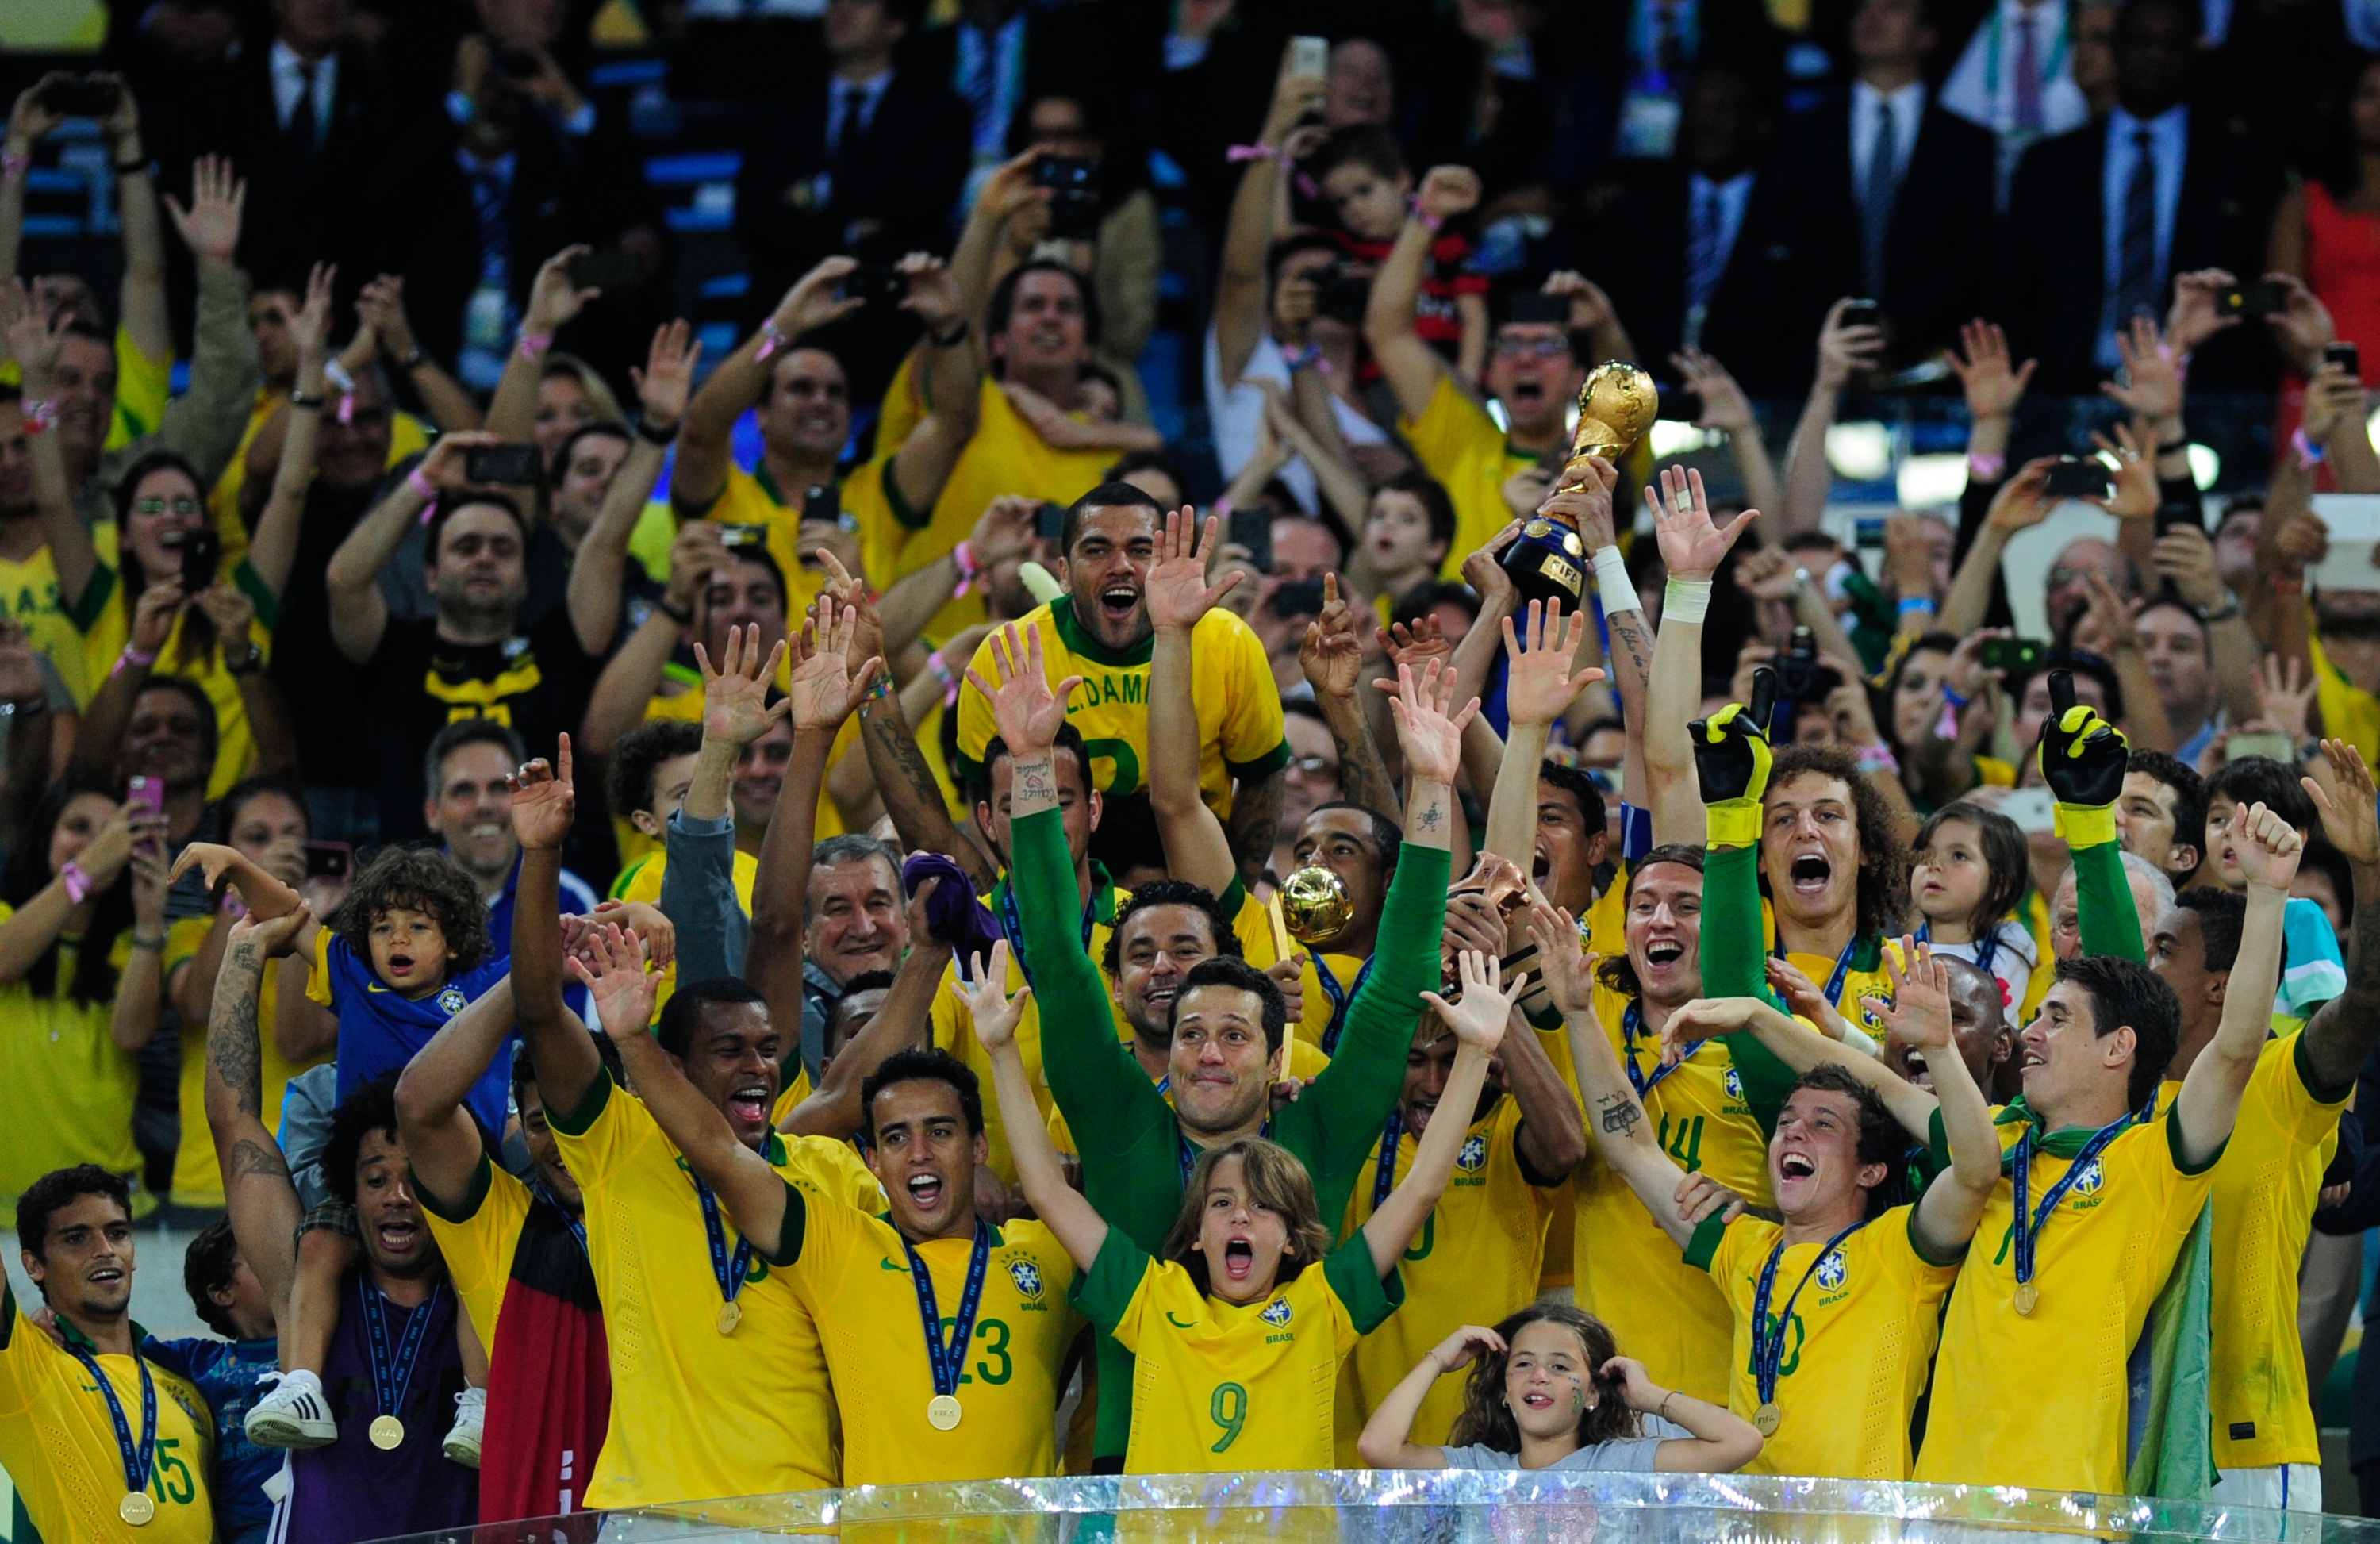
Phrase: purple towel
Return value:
(952, 914)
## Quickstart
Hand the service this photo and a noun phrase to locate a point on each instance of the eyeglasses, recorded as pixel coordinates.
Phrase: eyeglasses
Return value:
(1544, 348)
(185, 506)
(1313, 766)
(2062, 576)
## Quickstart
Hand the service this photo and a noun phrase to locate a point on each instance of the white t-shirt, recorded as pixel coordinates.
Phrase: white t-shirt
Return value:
(2011, 960)
(1621, 1455)
(1235, 411)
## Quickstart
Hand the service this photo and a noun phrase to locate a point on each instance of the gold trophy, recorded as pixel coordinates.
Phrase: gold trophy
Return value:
(1500, 883)
(1548, 561)
(1313, 904)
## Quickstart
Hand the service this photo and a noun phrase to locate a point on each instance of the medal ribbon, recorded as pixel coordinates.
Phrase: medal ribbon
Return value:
(1189, 1153)
(1631, 1021)
(577, 1225)
(1338, 996)
(728, 1273)
(139, 1460)
(1012, 923)
(2026, 1227)
(1987, 950)
(1384, 1179)
(1842, 968)
(947, 1361)
(1768, 1348)
(393, 1375)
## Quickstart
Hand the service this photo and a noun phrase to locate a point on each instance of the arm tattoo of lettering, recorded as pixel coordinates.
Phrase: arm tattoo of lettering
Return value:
(1363, 776)
(1620, 1114)
(1627, 630)
(1254, 825)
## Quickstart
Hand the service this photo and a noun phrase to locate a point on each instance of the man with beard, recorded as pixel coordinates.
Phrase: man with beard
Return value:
(393, 1373)
(1101, 630)
(472, 658)
(1228, 1017)
(701, 1329)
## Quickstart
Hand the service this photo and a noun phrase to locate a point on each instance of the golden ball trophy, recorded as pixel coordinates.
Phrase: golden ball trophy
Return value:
(1314, 907)
(1549, 560)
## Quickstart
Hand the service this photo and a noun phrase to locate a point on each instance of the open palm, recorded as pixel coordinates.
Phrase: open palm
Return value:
(1177, 590)
(735, 696)
(1025, 709)
(1692, 545)
(991, 1012)
(825, 687)
(1539, 684)
(1428, 728)
(2351, 807)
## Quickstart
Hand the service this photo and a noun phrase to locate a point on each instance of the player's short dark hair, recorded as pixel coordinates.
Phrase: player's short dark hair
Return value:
(60, 1188)
(1387, 837)
(370, 1108)
(524, 1069)
(921, 1064)
(2126, 991)
(2189, 791)
(1107, 496)
(1360, 144)
(1171, 892)
(867, 980)
(208, 1266)
(2261, 780)
(1880, 1136)
(1579, 787)
(637, 758)
(1068, 739)
(416, 878)
(1003, 297)
(453, 735)
(1229, 970)
(2077, 662)
(2222, 916)
(455, 501)
(1883, 887)
(675, 1030)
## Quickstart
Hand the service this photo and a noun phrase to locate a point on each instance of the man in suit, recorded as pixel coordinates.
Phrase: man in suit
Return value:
(1892, 194)
(867, 159)
(2102, 219)
(1697, 252)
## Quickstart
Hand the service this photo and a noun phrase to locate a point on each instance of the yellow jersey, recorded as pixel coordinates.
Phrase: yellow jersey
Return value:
(2265, 1186)
(1858, 1339)
(2098, 1268)
(479, 1243)
(843, 1268)
(688, 706)
(58, 1443)
(2347, 710)
(57, 1057)
(677, 1382)
(408, 436)
(111, 627)
(1221, 1387)
(641, 881)
(1458, 444)
(197, 1178)
(1239, 707)
(143, 388)
(1477, 1259)
(867, 494)
(29, 593)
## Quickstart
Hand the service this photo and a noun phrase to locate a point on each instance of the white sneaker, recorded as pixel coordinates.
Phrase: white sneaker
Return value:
(462, 1443)
(293, 1413)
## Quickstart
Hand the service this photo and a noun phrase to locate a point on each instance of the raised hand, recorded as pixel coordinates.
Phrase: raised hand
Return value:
(35, 338)
(553, 300)
(2302, 326)
(2284, 694)
(1993, 388)
(812, 302)
(1332, 656)
(933, 297)
(736, 707)
(2267, 848)
(2350, 805)
(825, 687)
(154, 614)
(1413, 645)
(544, 800)
(1006, 528)
(2184, 558)
(667, 379)
(1484, 570)
(1024, 707)
(1427, 728)
(1587, 505)
(2022, 500)
(30, 121)
(2083, 756)
(1724, 405)
(1176, 590)
(2195, 314)
(1692, 545)
(1732, 754)
(2136, 494)
(1845, 351)
(1447, 192)
(611, 966)
(1563, 964)
(1289, 975)
(2151, 381)
(1589, 306)
(1539, 685)
(380, 307)
(1478, 1019)
(1918, 1012)
(1701, 1019)
(228, 606)
(310, 328)
(1459, 1349)
(210, 225)
(984, 995)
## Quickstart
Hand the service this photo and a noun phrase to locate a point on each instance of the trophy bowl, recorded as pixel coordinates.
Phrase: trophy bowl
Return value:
(1315, 907)
(1549, 560)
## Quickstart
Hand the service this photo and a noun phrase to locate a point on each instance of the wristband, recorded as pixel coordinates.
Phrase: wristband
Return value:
(2225, 612)
(1664, 1411)
(953, 338)
(131, 168)
(1879, 758)
(152, 944)
(78, 883)
(41, 414)
(2086, 825)
(1918, 603)
(652, 434)
(1686, 600)
(969, 569)
(1952, 696)
(14, 166)
(336, 374)
(299, 401)
(2309, 453)
(940, 668)
(1428, 221)
(1250, 152)
(131, 659)
(1612, 585)
(770, 338)
(675, 613)
(882, 690)
(534, 344)
(1733, 822)
(1986, 467)
(1298, 359)
(423, 487)
(1221, 508)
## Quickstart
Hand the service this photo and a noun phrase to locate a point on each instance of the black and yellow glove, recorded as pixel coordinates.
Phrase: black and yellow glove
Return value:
(1731, 762)
(2082, 759)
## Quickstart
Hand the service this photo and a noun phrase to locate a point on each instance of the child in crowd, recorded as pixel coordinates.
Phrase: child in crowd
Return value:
(408, 951)
(1968, 870)
(1241, 1328)
(1407, 532)
(2312, 969)
(1365, 182)
(1551, 1391)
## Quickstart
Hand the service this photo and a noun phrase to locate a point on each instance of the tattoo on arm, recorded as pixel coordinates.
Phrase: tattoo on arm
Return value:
(1620, 1114)
(255, 1160)
(1254, 825)
(2343, 1031)
(232, 1042)
(1629, 635)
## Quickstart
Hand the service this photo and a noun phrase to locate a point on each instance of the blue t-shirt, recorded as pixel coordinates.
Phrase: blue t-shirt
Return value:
(225, 1372)
(381, 1029)
(2314, 972)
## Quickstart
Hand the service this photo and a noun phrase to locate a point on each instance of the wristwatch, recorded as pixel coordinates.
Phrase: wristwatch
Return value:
(241, 664)
(2222, 611)
(1800, 582)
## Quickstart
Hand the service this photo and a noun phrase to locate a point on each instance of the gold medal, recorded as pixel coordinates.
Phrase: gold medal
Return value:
(388, 1433)
(2028, 1298)
(135, 1508)
(1768, 1418)
(731, 1314)
(942, 1412)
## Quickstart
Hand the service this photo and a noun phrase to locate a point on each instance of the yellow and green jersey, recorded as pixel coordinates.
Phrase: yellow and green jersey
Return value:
(59, 1058)
(1458, 444)
(111, 627)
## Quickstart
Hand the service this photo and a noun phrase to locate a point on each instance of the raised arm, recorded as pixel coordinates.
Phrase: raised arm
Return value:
(913, 799)
(904, 1020)
(1197, 847)
(1843, 352)
(1538, 687)
(381, 308)
(358, 613)
(1241, 290)
(263, 1202)
(2021, 502)
(739, 379)
(2208, 1105)
(994, 1013)
(907, 607)
(2082, 757)
(1333, 658)
(1798, 1050)
(441, 1141)
(698, 885)
(554, 303)
(629, 683)
(1692, 548)
(2343, 1031)
(1728, 411)
(273, 548)
(141, 296)
(1477, 1020)
(29, 122)
(545, 802)
(1918, 1015)
(36, 340)
(599, 567)
(1412, 368)
(922, 466)
(205, 423)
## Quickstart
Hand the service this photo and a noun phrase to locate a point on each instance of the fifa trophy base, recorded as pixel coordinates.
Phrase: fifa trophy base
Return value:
(1547, 561)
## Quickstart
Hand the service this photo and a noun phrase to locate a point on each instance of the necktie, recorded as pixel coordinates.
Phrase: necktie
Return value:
(1883, 184)
(2028, 75)
(844, 139)
(303, 129)
(1702, 252)
(2136, 258)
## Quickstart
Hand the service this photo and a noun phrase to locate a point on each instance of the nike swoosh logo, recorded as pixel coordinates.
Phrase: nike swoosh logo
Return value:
(1180, 1324)
(888, 1265)
(374, 986)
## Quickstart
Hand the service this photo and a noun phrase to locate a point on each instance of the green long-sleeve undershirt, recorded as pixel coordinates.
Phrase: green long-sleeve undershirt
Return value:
(1130, 1143)
(2103, 902)
(1735, 964)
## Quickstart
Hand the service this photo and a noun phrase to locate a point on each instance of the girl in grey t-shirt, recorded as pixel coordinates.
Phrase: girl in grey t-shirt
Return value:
(1551, 1391)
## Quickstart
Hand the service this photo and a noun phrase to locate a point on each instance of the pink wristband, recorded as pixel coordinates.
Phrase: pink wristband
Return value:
(41, 414)
(425, 487)
(534, 344)
(78, 883)
(969, 569)
(2309, 453)
(131, 657)
(1429, 221)
(771, 339)
(1984, 467)
(14, 166)
(1251, 152)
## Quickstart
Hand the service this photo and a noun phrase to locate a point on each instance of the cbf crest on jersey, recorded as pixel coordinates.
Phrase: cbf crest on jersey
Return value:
(1833, 1271)
(2087, 1182)
(1027, 1277)
(452, 1000)
(1474, 1156)
(1733, 1080)
(1276, 1313)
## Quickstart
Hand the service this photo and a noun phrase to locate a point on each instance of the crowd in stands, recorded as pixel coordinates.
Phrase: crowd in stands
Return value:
(661, 659)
